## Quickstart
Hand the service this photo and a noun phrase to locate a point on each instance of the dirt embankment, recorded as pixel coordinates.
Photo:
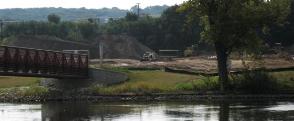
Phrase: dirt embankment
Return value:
(122, 47)
(198, 64)
(115, 46)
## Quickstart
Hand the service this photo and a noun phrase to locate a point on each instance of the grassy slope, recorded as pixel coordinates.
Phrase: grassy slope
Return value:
(20, 86)
(144, 82)
(6, 82)
(285, 78)
(148, 82)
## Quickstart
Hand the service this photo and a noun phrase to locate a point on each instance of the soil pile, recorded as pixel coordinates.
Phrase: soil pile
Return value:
(122, 46)
(115, 46)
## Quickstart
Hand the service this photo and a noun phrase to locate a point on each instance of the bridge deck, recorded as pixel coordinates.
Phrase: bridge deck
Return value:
(19, 61)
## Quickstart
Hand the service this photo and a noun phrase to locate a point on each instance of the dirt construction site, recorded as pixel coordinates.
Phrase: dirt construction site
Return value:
(199, 64)
(126, 51)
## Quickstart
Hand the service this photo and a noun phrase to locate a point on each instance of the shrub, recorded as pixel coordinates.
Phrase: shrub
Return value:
(205, 84)
(188, 52)
(185, 86)
(208, 83)
(35, 91)
(255, 82)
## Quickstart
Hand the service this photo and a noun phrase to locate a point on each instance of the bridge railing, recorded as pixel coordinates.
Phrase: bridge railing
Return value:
(42, 63)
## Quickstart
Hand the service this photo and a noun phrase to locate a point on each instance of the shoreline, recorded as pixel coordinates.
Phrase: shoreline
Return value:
(144, 98)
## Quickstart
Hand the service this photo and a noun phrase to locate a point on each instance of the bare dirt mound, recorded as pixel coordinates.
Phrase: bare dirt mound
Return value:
(122, 46)
(115, 46)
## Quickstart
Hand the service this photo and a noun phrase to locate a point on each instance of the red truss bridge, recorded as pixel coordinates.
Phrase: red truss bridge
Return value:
(19, 61)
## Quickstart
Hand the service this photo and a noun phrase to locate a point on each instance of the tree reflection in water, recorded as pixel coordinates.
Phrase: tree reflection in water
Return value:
(207, 111)
(224, 111)
(77, 111)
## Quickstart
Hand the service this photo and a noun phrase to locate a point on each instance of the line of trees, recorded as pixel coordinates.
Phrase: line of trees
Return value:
(169, 31)
(174, 29)
(72, 14)
(227, 25)
(74, 31)
(236, 25)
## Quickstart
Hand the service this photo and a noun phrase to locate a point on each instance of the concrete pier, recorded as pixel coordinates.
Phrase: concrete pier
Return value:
(96, 77)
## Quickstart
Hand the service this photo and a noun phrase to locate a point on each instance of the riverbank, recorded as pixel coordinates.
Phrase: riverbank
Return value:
(156, 85)
(148, 98)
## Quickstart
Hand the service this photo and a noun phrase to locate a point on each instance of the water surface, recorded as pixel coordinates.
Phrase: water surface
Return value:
(157, 111)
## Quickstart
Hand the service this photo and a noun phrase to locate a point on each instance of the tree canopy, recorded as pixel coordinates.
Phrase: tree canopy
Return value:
(54, 18)
(235, 24)
(169, 31)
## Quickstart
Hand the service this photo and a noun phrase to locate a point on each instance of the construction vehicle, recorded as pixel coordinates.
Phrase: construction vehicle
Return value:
(148, 56)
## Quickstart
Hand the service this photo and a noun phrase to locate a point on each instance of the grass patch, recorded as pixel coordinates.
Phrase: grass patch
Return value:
(263, 82)
(285, 79)
(21, 86)
(202, 84)
(24, 91)
(255, 82)
(118, 69)
(35, 91)
(7, 82)
(144, 82)
(148, 82)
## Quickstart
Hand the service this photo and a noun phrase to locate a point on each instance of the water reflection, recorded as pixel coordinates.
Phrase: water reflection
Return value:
(20, 112)
(82, 111)
(224, 111)
(175, 111)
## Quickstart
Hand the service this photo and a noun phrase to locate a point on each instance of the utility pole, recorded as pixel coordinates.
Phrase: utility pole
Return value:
(101, 53)
(138, 5)
(1, 27)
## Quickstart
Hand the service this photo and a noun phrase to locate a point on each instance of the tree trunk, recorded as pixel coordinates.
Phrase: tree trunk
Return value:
(224, 111)
(222, 57)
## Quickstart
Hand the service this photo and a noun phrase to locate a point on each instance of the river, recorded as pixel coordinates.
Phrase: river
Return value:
(152, 111)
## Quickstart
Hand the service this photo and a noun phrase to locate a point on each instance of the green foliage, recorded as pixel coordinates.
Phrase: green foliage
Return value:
(237, 23)
(285, 79)
(151, 10)
(146, 82)
(7, 82)
(282, 33)
(82, 31)
(255, 82)
(208, 83)
(54, 18)
(34, 91)
(203, 84)
(131, 16)
(185, 86)
(71, 14)
(24, 91)
(167, 32)
(234, 25)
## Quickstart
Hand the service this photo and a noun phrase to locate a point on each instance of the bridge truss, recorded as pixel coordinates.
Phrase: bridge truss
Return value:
(19, 61)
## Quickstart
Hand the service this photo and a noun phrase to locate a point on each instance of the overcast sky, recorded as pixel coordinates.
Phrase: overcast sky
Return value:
(123, 4)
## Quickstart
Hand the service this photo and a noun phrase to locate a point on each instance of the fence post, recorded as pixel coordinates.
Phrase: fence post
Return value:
(6, 59)
(16, 60)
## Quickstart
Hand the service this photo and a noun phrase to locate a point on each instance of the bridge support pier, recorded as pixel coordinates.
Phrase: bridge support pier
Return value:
(96, 77)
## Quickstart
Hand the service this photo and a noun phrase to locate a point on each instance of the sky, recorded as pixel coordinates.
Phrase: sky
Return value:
(123, 4)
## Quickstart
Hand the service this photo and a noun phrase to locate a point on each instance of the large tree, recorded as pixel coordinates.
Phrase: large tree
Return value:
(53, 18)
(283, 34)
(235, 25)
